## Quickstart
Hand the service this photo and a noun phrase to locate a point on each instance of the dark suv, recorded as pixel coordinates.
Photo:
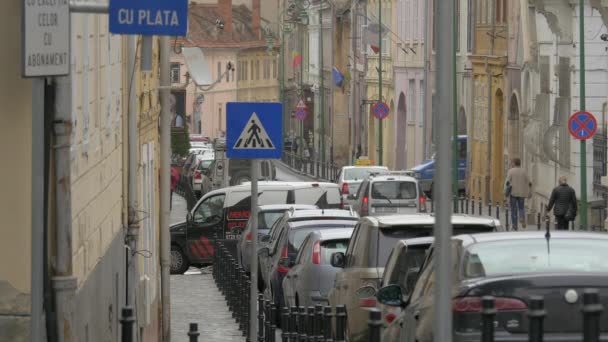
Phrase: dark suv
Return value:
(286, 237)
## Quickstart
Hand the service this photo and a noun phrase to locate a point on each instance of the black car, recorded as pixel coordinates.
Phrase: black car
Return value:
(510, 267)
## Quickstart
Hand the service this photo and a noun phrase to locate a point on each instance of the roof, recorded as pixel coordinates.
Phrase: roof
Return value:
(203, 32)
(364, 167)
(428, 219)
(333, 234)
(383, 177)
(272, 207)
(320, 214)
(469, 239)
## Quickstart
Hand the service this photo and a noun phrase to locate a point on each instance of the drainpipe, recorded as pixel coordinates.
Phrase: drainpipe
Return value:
(63, 282)
(165, 172)
(489, 76)
(132, 234)
(353, 99)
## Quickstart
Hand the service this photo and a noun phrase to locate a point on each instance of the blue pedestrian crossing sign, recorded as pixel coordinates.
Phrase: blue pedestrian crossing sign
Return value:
(254, 130)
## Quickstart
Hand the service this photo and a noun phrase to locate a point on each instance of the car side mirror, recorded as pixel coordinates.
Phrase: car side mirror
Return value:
(390, 295)
(365, 292)
(265, 238)
(338, 260)
(264, 252)
(286, 262)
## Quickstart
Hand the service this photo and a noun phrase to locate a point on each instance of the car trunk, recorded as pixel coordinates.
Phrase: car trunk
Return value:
(562, 316)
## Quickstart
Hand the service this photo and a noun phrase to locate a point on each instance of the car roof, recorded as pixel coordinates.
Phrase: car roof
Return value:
(364, 167)
(272, 207)
(247, 188)
(384, 178)
(333, 234)
(320, 214)
(470, 239)
(427, 240)
(426, 219)
(298, 185)
(320, 222)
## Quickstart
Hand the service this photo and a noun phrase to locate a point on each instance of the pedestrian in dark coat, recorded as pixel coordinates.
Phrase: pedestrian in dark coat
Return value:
(563, 202)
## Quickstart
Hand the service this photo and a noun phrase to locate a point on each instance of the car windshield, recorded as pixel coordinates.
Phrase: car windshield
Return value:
(330, 247)
(204, 165)
(535, 256)
(394, 190)
(359, 173)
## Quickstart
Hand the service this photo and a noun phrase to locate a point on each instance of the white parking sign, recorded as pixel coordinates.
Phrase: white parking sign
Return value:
(46, 38)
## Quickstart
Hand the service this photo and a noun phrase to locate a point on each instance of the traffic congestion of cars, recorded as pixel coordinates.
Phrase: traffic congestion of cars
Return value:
(366, 241)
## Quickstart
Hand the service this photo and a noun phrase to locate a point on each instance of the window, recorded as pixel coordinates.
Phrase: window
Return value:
(470, 25)
(406, 20)
(232, 75)
(415, 16)
(219, 116)
(219, 72)
(497, 10)
(245, 69)
(257, 70)
(421, 102)
(409, 106)
(252, 70)
(392, 190)
(175, 73)
(457, 22)
(274, 69)
(210, 210)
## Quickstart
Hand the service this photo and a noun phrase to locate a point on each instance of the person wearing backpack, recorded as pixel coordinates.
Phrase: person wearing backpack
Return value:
(517, 188)
(563, 203)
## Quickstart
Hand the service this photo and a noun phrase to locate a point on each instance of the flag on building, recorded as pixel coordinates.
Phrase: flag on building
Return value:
(371, 36)
(338, 77)
(297, 58)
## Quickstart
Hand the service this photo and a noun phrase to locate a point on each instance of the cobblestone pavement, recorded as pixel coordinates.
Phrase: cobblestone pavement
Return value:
(196, 299)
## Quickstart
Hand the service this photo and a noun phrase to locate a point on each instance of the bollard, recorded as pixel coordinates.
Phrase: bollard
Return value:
(466, 211)
(267, 320)
(480, 202)
(536, 315)
(327, 322)
(455, 204)
(260, 318)
(193, 332)
(302, 328)
(340, 323)
(285, 319)
(273, 321)
(461, 200)
(432, 206)
(293, 324)
(507, 226)
(374, 323)
(592, 309)
(247, 310)
(487, 319)
(489, 208)
(127, 321)
(497, 211)
(538, 224)
(311, 324)
(318, 331)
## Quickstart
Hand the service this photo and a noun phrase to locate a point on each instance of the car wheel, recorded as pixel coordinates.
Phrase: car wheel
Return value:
(179, 261)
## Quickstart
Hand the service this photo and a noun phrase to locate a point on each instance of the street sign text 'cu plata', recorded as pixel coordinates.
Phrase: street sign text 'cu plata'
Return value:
(149, 17)
(45, 32)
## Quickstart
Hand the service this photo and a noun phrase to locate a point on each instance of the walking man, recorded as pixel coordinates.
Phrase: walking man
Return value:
(517, 188)
(563, 202)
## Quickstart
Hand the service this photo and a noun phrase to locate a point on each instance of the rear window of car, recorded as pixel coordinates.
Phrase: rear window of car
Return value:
(535, 256)
(360, 173)
(324, 198)
(297, 236)
(203, 165)
(330, 247)
(394, 190)
(411, 258)
(267, 219)
(243, 198)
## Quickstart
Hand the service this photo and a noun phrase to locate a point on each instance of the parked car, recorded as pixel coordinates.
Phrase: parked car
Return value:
(285, 239)
(220, 213)
(201, 184)
(389, 193)
(368, 251)
(267, 216)
(311, 276)
(350, 177)
(425, 171)
(402, 268)
(511, 267)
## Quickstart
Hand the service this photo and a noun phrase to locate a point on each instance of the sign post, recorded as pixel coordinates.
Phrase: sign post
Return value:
(254, 131)
(582, 126)
(301, 114)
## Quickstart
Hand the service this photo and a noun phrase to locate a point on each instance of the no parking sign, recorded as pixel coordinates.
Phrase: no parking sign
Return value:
(582, 125)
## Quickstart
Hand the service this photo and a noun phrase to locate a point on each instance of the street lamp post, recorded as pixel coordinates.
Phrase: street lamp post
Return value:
(380, 140)
(582, 105)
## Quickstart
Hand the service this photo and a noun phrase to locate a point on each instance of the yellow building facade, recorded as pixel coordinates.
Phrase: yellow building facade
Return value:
(257, 71)
(487, 167)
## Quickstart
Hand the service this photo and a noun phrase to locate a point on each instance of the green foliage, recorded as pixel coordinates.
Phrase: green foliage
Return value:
(180, 141)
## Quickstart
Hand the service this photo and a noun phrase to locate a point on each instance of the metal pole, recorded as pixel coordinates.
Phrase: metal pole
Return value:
(322, 87)
(282, 72)
(165, 173)
(582, 105)
(253, 313)
(442, 190)
(427, 79)
(38, 181)
(455, 126)
(302, 140)
(331, 87)
(380, 149)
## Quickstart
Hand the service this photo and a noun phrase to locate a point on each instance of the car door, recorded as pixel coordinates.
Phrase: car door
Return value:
(266, 260)
(207, 221)
(341, 283)
(291, 281)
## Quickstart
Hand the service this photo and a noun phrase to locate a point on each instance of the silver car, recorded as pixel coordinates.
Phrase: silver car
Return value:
(390, 193)
(267, 216)
(312, 276)
(350, 177)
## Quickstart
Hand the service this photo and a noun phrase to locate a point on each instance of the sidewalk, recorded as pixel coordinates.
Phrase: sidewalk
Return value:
(196, 299)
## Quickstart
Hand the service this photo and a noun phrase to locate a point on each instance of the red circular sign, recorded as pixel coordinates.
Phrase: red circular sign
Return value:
(380, 110)
(582, 125)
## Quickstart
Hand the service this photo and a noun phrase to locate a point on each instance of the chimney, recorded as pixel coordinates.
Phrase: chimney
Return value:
(256, 18)
(225, 12)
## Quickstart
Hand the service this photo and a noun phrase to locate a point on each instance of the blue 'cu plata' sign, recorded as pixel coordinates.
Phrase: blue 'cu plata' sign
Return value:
(149, 17)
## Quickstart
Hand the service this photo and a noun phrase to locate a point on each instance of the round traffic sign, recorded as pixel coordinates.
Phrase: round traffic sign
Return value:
(380, 110)
(301, 114)
(582, 125)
